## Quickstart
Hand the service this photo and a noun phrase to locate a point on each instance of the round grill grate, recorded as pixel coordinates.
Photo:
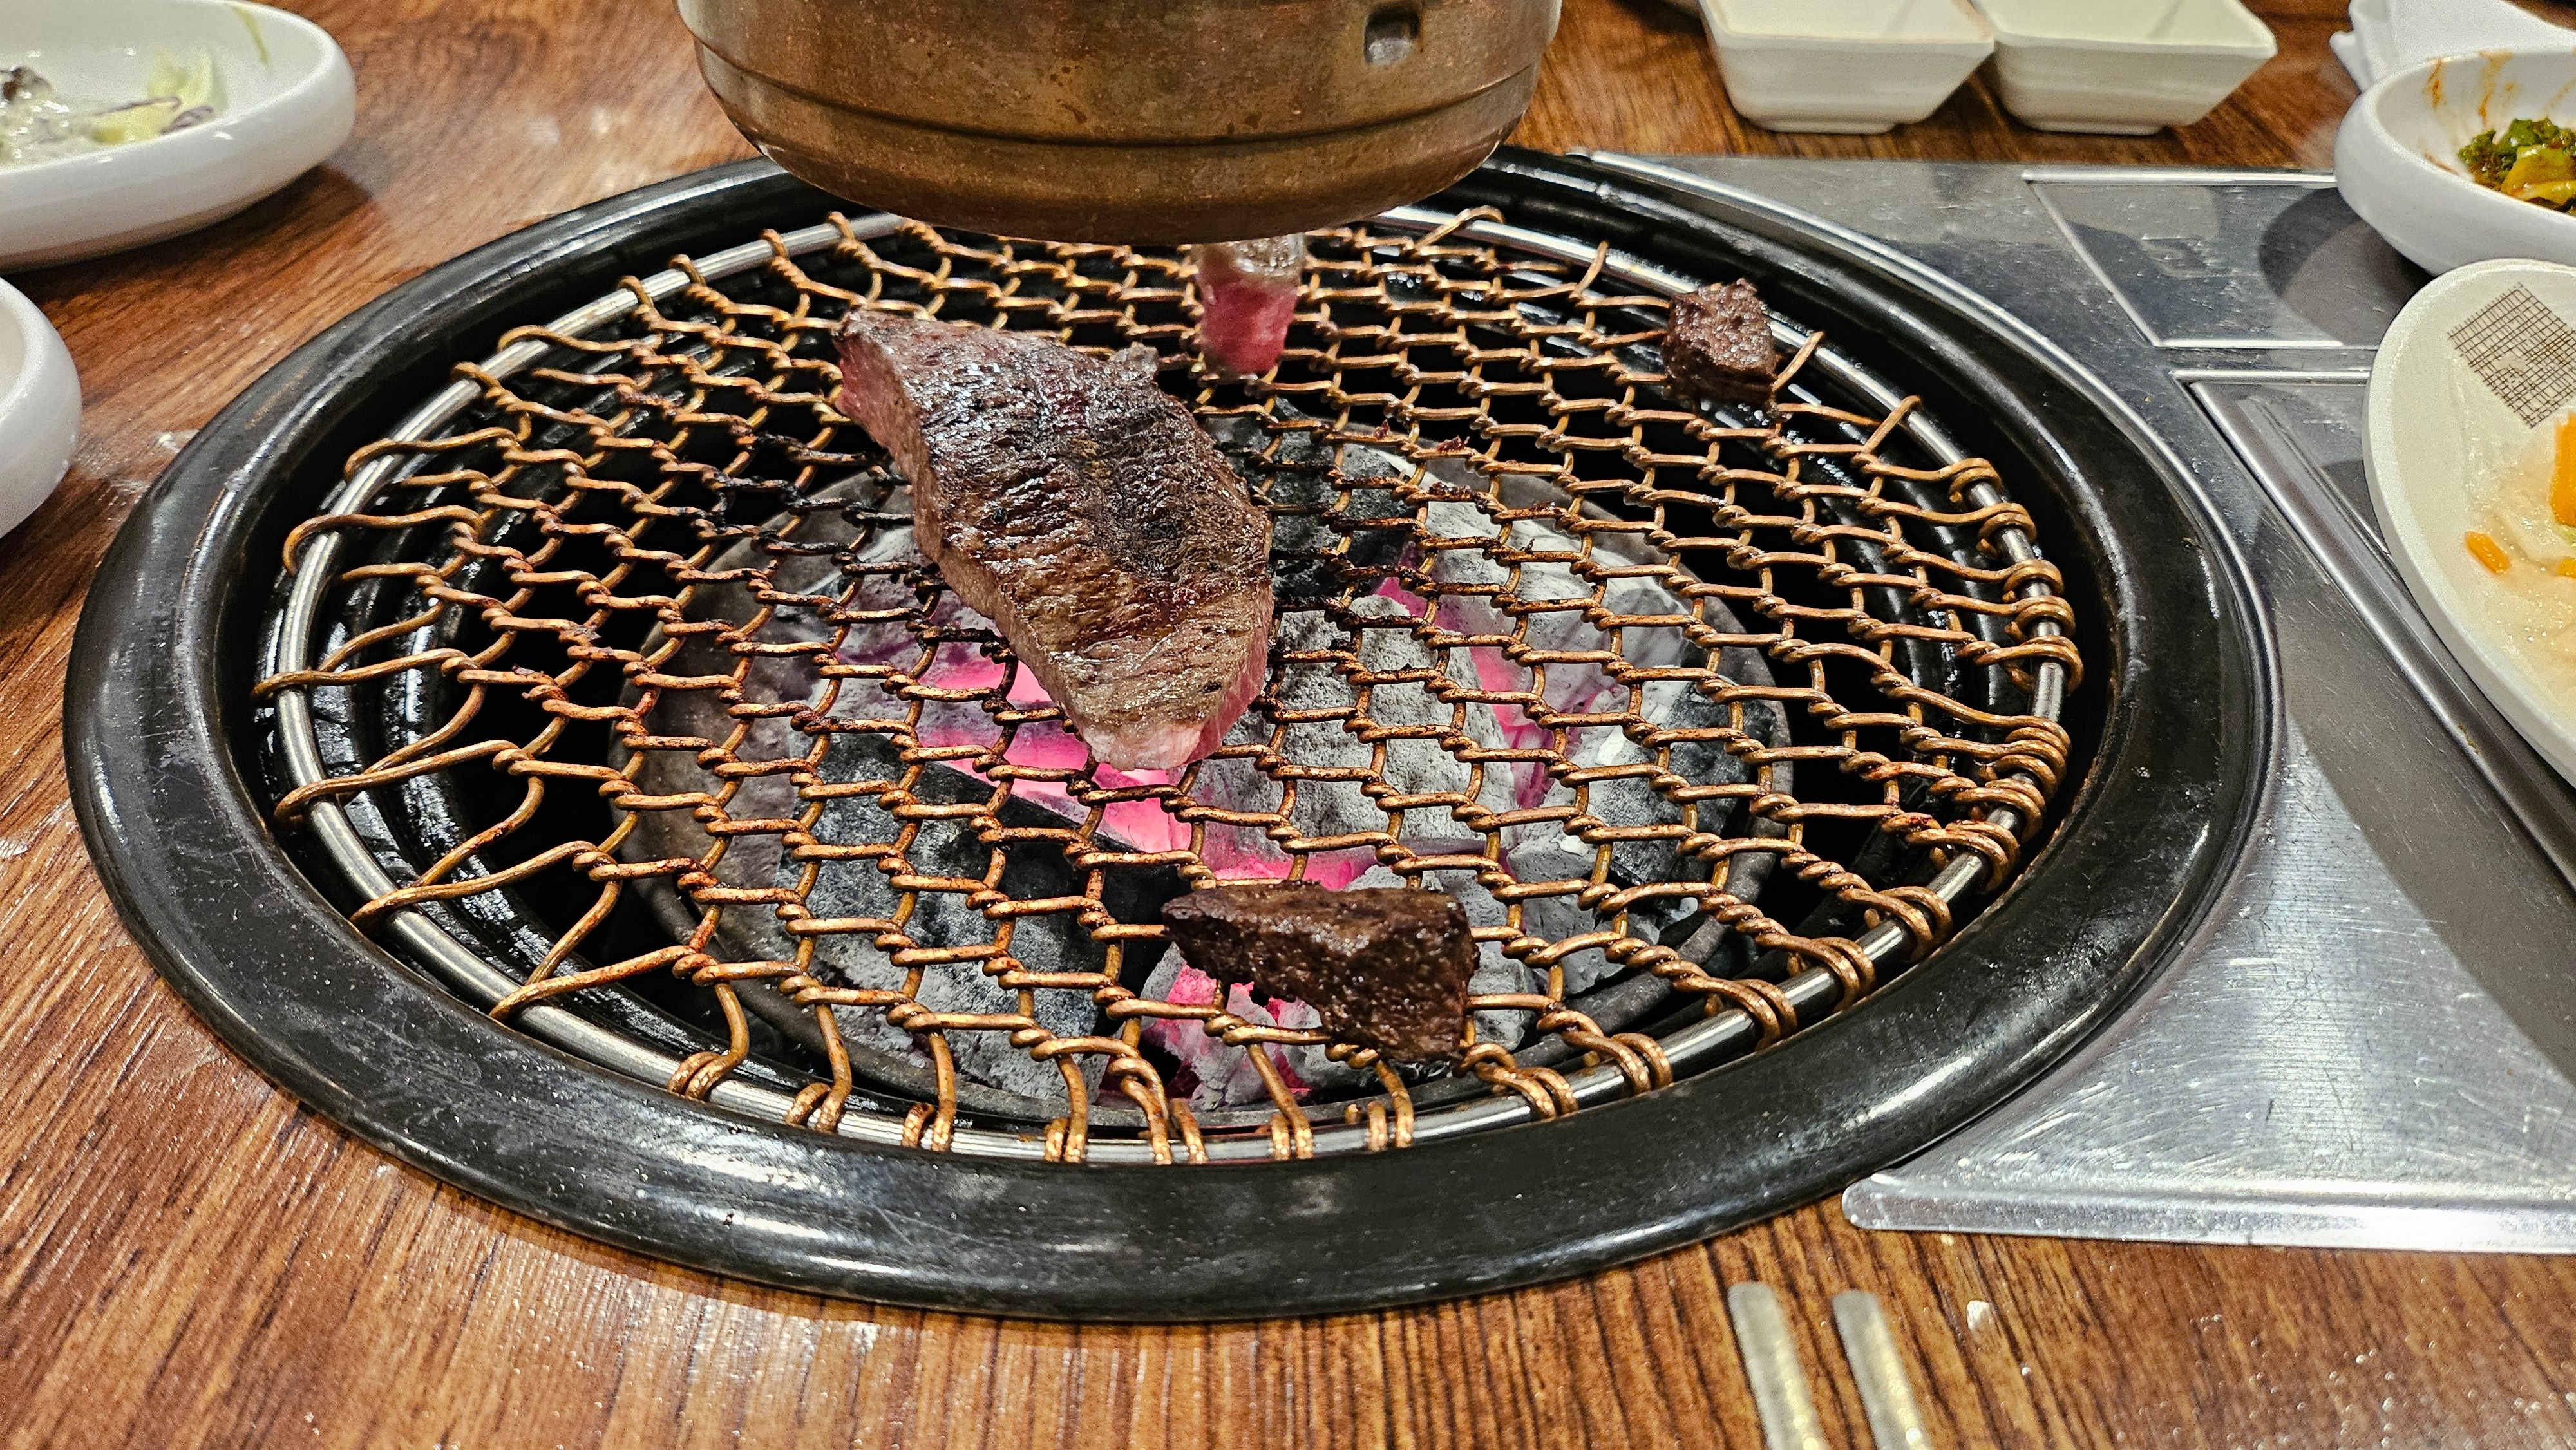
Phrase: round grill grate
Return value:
(611, 682)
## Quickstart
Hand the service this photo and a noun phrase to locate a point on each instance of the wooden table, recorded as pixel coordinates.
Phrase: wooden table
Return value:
(188, 1258)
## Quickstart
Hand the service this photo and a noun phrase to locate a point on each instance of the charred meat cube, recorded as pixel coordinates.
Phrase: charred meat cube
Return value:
(1385, 967)
(1719, 346)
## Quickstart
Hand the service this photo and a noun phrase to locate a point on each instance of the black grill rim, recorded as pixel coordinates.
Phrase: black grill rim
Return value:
(161, 735)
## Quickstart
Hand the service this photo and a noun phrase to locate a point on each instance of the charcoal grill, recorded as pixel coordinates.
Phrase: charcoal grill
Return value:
(605, 808)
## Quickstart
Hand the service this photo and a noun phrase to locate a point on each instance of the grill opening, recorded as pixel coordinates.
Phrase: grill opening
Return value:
(611, 685)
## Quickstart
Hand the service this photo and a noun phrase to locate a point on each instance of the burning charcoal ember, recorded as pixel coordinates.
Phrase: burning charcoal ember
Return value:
(1238, 852)
(1328, 808)
(1720, 347)
(1577, 690)
(1633, 800)
(1306, 1065)
(1210, 1073)
(1571, 689)
(1467, 566)
(1385, 968)
(1546, 855)
(1216, 1075)
(1650, 646)
(1419, 765)
(1423, 765)
(1322, 807)
(861, 889)
(1248, 296)
(1544, 852)
(1361, 513)
(1243, 853)
(1311, 686)
(1539, 580)
(1392, 648)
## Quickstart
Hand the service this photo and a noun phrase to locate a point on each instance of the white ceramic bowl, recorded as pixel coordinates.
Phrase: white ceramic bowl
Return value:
(2397, 157)
(2128, 69)
(287, 102)
(1857, 66)
(2447, 455)
(39, 407)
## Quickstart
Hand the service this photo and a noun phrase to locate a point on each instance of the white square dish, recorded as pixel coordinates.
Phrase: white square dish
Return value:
(2128, 69)
(1855, 66)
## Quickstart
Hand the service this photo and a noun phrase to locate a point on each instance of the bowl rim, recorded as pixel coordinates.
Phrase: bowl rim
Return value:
(1723, 32)
(2520, 696)
(327, 58)
(2008, 39)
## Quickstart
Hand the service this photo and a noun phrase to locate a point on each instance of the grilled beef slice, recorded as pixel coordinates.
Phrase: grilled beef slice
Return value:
(1719, 346)
(1082, 510)
(1384, 967)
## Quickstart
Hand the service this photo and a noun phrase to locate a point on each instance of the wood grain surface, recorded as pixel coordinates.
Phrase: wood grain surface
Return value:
(187, 1258)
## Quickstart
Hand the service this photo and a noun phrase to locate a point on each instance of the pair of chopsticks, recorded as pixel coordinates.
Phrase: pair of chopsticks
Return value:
(1780, 1393)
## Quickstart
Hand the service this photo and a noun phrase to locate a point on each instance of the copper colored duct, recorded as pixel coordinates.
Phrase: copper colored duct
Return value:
(1125, 120)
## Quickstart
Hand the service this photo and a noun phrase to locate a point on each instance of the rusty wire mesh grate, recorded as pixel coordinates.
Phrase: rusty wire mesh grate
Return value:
(618, 649)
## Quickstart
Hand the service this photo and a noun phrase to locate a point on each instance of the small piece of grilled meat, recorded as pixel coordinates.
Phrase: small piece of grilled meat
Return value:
(1719, 346)
(1384, 967)
(1082, 510)
(1247, 299)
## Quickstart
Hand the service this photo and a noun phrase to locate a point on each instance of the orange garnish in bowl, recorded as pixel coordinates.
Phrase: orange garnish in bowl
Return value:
(2562, 478)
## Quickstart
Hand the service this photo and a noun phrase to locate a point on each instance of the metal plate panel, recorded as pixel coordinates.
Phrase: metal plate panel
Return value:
(2371, 1044)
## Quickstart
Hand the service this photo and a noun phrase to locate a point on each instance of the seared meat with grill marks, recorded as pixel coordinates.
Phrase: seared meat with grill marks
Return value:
(1385, 967)
(1081, 508)
(1719, 346)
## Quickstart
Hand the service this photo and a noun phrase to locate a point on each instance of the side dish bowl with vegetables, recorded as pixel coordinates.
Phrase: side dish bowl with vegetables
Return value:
(2472, 465)
(124, 122)
(2531, 160)
(2467, 158)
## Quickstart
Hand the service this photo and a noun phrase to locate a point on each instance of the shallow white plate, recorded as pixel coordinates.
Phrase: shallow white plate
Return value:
(287, 101)
(2397, 157)
(39, 407)
(2444, 444)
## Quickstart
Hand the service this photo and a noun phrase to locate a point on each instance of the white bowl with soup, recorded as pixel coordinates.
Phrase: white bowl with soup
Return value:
(2472, 465)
